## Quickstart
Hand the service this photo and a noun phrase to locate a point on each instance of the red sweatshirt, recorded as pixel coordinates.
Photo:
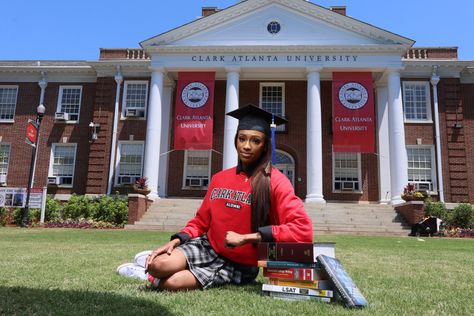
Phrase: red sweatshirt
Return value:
(226, 207)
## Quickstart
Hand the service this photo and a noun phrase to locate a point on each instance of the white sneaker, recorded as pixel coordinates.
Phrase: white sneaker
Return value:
(140, 258)
(131, 270)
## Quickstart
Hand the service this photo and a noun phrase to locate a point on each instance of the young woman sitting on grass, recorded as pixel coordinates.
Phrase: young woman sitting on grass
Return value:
(244, 205)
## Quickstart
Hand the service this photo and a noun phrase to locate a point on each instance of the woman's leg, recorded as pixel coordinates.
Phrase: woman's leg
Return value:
(172, 272)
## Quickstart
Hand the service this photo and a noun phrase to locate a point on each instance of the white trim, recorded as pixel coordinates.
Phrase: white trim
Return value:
(283, 98)
(8, 159)
(119, 155)
(185, 169)
(51, 162)
(359, 175)
(293, 166)
(124, 99)
(305, 8)
(59, 103)
(16, 102)
(433, 166)
(426, 85)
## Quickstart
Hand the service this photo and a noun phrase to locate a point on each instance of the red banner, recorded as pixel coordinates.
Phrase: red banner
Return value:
(31, 133)
(353, 122)
(194, 110)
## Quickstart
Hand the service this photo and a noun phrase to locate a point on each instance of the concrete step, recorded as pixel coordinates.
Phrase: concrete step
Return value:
(331, 218)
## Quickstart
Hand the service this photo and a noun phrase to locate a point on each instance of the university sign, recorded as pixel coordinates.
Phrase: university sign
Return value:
(273, 58)
(336, 60)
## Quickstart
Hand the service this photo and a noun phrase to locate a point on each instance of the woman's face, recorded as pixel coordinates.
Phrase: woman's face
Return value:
(250, 145)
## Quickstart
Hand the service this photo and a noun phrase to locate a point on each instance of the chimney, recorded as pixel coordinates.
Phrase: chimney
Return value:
(338, 9)
(206, 11)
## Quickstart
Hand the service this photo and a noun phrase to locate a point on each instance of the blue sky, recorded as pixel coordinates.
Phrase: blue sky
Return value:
(75, 30)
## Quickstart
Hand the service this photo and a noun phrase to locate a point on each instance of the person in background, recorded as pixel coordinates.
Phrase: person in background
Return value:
(243, 206)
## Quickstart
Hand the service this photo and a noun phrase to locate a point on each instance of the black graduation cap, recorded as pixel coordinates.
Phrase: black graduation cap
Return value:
(252, 117)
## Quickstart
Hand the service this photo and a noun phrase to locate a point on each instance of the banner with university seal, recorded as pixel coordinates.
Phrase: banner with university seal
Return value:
(353, 114)
(194, 111)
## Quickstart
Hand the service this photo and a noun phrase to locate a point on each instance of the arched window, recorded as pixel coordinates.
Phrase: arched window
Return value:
(286, 164)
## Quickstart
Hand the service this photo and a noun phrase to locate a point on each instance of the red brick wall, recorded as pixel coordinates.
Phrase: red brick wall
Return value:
(468, 127)
(51, 132)
(453, 141)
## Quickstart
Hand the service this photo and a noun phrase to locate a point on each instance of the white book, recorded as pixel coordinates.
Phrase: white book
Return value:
(297, 297)
(296, 290)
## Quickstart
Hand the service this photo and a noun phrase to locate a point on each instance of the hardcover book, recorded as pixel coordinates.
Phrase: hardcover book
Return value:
(296, 290)
(293, 251)
(294, 273)
(297, 297)
(316, 285)
(343, 283)
(286, 264)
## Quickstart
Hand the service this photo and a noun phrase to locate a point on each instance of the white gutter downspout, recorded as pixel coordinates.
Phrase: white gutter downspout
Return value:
(113, 146)
(434, 81)
(43, 83)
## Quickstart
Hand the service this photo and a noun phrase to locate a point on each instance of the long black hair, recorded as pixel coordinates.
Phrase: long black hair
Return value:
(261, 190)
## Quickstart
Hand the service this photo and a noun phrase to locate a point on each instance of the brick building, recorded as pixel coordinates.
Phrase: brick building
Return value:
(110, 121)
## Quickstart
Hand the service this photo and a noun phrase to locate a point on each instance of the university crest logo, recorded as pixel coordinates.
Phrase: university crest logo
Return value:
(353, 95)
(195, 95)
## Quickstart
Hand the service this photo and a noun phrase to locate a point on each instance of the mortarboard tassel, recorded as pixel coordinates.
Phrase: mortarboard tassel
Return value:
(273, 127)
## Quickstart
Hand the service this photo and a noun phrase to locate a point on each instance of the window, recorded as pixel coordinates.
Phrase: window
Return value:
(346, 171)
(272, 99)
(8, 96)
(197, 168)
(420, 167)
(69, 103)
(416, 100)
(130, 162)
(4, 161)
(135, 96)
(286, 165)
(62, 164)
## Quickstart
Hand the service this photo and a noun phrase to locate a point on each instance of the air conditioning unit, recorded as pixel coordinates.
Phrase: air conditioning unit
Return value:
(3, 179)
(53, 180)
(61, 116)
(134, 112)
(348, 186)
(195, 182)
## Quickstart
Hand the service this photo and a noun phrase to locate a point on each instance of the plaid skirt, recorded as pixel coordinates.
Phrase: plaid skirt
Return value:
(210, 269)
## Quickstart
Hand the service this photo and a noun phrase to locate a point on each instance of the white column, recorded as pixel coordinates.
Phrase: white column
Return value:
(113, 146)
(153, 131)
(439, 168)
(383, 144)
(165, 139)
(314, 140)
(398, 152)
(230, 124)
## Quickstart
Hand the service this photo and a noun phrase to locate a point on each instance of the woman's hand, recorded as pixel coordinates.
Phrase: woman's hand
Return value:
(167, 248)
(233, 239)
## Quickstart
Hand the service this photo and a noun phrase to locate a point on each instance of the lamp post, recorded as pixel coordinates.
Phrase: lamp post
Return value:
(39, 116)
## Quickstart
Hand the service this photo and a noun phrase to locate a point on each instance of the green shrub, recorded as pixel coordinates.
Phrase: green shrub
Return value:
(17, 216)
(462, 216)
(110, 209)
(34, 215)
(3, 216)
(53, 209)
(77, 207)
(437, 209)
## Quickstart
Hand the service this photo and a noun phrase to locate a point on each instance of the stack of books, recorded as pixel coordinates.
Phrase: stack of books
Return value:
(306, 271)
(293, 271)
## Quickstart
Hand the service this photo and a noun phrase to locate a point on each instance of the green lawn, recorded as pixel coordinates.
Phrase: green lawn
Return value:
(72, 272)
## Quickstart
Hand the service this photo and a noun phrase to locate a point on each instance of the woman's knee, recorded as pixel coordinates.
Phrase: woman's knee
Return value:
(166, 265)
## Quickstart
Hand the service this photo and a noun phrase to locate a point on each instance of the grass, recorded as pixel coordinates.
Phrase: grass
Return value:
(72, 272)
